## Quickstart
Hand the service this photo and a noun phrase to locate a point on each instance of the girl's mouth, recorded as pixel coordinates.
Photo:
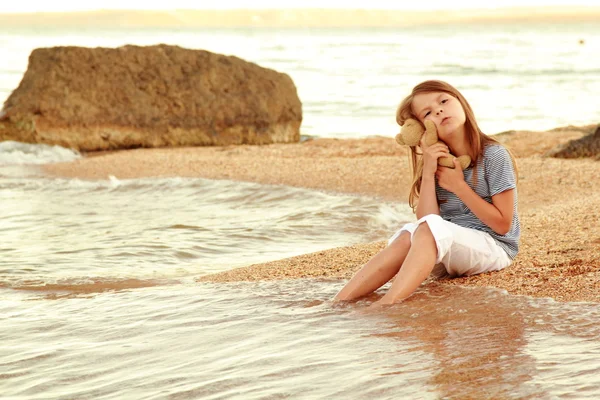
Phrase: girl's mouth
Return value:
(445, 119)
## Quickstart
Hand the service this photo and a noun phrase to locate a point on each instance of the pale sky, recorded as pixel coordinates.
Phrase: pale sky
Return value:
(69, 5)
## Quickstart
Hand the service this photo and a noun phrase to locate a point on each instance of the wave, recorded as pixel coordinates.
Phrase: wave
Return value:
(171, 228)
(17, 153)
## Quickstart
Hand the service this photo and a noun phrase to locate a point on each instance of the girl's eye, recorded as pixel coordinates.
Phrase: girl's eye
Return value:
(445, 100)
(426, 114)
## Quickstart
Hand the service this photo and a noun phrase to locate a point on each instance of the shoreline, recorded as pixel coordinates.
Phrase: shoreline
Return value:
(553, 194)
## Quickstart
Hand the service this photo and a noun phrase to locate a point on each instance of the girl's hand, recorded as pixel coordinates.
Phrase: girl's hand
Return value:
(431, 155)
(451, 179)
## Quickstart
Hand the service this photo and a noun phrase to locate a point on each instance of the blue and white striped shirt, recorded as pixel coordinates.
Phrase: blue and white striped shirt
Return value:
(495, 174)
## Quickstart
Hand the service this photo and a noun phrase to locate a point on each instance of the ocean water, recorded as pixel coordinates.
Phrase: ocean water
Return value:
(98, 290)
(516, 76)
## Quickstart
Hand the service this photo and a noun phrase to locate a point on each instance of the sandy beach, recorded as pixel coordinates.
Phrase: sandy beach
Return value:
(559, 202)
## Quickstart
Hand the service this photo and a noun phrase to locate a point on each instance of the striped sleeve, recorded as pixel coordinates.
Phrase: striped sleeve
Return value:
(500, 173)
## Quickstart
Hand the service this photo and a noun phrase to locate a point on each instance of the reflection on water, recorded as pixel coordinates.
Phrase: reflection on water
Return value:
(286, 339)
(477, 338)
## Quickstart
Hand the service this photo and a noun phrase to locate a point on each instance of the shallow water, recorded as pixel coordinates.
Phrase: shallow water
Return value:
(98, 299)
(286, 339)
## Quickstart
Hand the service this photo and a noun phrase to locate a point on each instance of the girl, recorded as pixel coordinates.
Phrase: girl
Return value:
(467, 221)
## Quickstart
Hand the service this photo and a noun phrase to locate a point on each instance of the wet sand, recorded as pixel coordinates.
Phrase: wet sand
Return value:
(559, 202)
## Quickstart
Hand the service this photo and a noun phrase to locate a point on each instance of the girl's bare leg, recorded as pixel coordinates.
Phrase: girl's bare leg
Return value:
(416, 268)
(380, 269)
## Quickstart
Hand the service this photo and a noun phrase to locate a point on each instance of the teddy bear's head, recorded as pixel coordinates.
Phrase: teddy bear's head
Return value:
(412, 131)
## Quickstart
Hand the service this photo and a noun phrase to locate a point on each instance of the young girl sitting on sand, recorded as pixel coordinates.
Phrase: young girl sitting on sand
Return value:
(467, 220)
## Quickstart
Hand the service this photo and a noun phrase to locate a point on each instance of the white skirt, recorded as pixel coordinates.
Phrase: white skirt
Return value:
(460, 251)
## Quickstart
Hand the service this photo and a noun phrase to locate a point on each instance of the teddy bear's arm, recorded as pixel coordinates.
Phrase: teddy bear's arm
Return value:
(448, 161)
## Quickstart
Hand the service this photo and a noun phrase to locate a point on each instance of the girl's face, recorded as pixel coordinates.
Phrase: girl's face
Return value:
(444, 110)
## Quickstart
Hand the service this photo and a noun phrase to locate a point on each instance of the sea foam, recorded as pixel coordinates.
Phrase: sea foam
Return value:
(16, 153)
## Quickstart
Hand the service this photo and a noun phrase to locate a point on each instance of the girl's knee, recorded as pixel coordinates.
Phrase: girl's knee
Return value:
(424, 238)
(402, 240)
(423, 232)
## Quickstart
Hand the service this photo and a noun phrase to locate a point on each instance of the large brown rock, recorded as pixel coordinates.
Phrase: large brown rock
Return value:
(114, 98)
(587, 146)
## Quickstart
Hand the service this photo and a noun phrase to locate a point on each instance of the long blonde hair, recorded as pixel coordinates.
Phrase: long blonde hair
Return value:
(476, 139)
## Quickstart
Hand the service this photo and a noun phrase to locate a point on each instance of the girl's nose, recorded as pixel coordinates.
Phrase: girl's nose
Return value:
(439, 111)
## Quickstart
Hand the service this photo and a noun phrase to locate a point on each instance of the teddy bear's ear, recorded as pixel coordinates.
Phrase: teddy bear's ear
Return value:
(399, 139)
(429, 125)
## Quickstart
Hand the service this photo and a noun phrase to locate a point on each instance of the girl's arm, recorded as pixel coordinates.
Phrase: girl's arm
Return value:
(498, 215)
(427, 199)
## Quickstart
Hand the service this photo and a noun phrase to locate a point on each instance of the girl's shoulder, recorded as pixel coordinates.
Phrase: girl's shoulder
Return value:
(495, 153)
(498, 161)
(492, 149)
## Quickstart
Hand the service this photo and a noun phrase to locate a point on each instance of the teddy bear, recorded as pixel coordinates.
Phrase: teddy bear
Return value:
(411, 133)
